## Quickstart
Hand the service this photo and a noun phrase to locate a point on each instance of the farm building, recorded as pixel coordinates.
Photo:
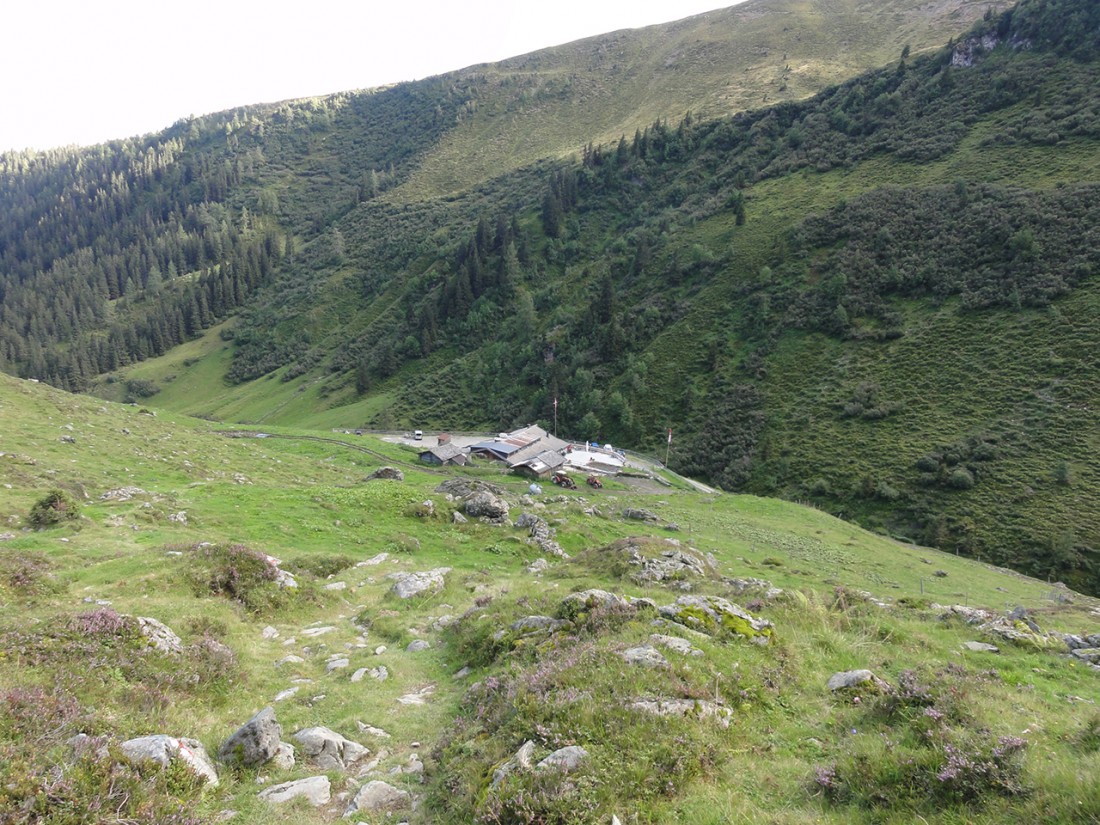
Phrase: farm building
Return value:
(519, 446)
(444, 454)
(539, 466)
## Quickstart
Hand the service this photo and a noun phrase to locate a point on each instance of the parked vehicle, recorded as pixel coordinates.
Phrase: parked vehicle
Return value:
(562, 480)
(418, 435)
(594, 481)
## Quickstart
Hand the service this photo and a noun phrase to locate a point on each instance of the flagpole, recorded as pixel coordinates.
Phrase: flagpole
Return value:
(555, 416)
(668, 446)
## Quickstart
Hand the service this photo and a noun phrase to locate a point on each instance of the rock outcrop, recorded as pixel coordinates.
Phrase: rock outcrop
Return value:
(255, 742)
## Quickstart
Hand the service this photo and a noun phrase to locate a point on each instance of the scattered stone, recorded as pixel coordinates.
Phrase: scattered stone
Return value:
(378, 651)
(417, 645)
(713, 613)
(695, 708)
(123, 494)
(538, 566)
(863, 680)
(1088, 654)
(373, 561)
(675, 643)
(386, 474)
(178, 518)
(645, 655)
(270, 633)
(458, 518)
(419, 697)
(290, 659)
(763, 587)
(283, 759)
(283, 695)
(314, 789)
(981, 647)
(359, 674)
(463, 487)
(520, 761)
(537, 624)
(336, 586)
(379, 796)
(336, 664)
(463, 672)
(639, 514)
(587, 599)
(370, 730)
(160, 636)
(328, 749)
(314, 632)
(407, 585)
(942, 574)
(379, 673)
(563, 759)
(442, 623)
(255, 742)
(164, 749)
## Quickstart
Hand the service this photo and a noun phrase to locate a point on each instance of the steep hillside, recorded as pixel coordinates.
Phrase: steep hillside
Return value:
(146, 604)
(881, 300)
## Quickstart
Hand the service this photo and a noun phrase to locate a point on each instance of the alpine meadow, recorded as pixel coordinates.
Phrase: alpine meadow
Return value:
(824, 274)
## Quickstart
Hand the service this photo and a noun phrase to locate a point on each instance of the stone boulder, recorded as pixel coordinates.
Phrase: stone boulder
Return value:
(981, 647)
(160, 636)
(484, 504)
(316, 790)
(675, 644)
(379, 796)
(407, 585)
(691, 708)
(563, 759)
(165, 749)
(640, 514)
(861, 680)
(520, 761)
(537, 624)
(327, 749)
(713, 614)
(255, 742)
(645, 655)
(586, 600)
(386, 474)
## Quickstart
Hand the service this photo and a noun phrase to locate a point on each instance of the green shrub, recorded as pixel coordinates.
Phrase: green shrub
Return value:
(56, 507)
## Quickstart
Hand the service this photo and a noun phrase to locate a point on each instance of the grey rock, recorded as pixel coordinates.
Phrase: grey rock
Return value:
(283, 759)
(458, 518)
(563, 759)
(536, 624)
(290, 659)
(270, 632)
(713, 613)
(314, 789)
(379, 796)
(337, 664)
(463, 487)
(693, 708)
(255, 742)
(336, 586)
(283, 695)
(165, 749)
(1088, 654)
(314, 632)
(520, 761)
(407, 585)
(675, 643)
(160, 635)
(484, 504)
(646, 656)
(981, 647)
(859, 679)
(370, 730)
(379, 673)
(327, 749)
(387, 474)
(359, 674)
(417, 645)
(538, 566)
(587, 599)
(640, 514)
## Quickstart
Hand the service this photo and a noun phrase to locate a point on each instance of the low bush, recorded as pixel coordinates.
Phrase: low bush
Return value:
(56, 507)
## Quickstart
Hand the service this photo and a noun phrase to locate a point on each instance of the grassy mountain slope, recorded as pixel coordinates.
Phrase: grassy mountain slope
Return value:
(962, 741)
(881, 300)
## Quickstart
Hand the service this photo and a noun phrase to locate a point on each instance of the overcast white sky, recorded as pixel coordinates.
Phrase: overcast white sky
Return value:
(86, 71)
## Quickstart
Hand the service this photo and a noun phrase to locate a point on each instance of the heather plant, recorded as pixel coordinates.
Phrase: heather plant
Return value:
(244, 576)
(27, 574)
